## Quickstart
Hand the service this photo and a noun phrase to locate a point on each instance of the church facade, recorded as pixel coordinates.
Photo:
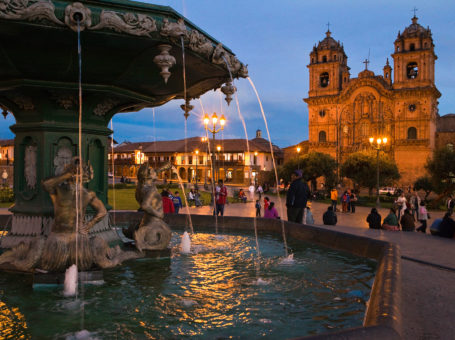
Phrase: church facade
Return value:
(401, 104)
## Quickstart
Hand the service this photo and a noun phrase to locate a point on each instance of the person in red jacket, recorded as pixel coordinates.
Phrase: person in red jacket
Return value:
(168, 205)
(220, 198)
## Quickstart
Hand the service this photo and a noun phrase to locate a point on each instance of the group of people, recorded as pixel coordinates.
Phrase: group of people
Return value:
(348, 200)
(194, 198)
(444, 227)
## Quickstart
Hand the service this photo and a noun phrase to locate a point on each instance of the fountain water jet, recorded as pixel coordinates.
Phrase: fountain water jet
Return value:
(70, 284)
(185, 244)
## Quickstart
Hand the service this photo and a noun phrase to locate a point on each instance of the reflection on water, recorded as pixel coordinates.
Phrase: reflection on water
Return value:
(213, 292)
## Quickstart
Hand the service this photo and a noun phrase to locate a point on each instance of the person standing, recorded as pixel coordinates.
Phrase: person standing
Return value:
(177, 201)
(266, 202)
(415, 203)
(353, 200)
(334, 198)
(296, 197)
(251, 190)
(168, 205)
(423, 217)
(220, 198)
(260, 191)
(401, 205)
(258, 208)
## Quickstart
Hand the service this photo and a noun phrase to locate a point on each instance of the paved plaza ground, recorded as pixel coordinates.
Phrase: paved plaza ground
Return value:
(427, 265)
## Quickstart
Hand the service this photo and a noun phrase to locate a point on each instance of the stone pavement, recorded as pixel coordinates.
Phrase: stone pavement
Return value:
(427, 265)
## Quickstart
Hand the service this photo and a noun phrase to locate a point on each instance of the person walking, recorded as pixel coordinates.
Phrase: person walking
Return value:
(260, 191)
(220, 198)
(258, 208)
(334, 198)
(423, 217)
(330, 217)
(177, 201)
(401, 204)
(296, 197)
(374, 219)
(415, 203)
(271, 212)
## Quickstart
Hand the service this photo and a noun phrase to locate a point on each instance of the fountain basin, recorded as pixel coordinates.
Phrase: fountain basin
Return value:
(379, 320)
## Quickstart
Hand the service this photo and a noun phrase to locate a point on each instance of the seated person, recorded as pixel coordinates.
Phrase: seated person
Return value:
(190, 197)
(271, 212)
(197, 198)
(407, 221)
(447, 226)
(374, 219)
(391, 221)
(242, 196)
(329, 217)
(435, 227)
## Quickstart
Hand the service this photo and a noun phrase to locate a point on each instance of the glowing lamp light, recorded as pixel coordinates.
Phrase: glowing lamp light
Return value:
(379, 141)
(371, 140)
(255, 153)
(298, 149)
(206, 119)
(384, 140)
(214, 118)
(218, 148)
(197, 152)
(222, 120)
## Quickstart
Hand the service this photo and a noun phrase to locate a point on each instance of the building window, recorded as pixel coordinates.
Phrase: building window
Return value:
(324, 59)
(398, 48)
(312, 60)
(412, 133)
(412, 70)
(335, 57)
(322, 137)
(412, 47)
(449, 146)
(324, 79)
(387, 75)
(322, 113)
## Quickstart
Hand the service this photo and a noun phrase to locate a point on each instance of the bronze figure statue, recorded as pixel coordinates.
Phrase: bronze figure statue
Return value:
(65, 245)
(153, 233)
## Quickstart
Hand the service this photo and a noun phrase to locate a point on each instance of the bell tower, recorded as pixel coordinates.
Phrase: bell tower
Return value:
(328, 68)
(414, 57)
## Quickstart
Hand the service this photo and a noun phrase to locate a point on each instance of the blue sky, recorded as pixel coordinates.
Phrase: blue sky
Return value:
(275, 38)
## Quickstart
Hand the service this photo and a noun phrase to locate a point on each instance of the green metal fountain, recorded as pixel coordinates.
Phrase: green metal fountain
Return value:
(131, 59)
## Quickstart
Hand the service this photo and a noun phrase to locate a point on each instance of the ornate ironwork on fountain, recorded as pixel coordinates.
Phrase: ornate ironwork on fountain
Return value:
(164, 60)
(187, 107)
(228, 89)
(78, 12)
(28, 10)
(200, 44)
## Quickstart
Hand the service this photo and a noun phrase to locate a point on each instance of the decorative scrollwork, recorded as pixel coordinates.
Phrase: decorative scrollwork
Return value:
(28, 10)
(102, 108)
(140, 24)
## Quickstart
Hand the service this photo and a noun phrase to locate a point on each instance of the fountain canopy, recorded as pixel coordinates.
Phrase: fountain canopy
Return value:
(131, 59)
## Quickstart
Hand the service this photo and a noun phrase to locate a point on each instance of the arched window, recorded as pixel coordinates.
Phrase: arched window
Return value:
(322, 113)
(412, 47)
(324, 79)
(398, 48)
(324, 59)
(387, 75)
(412, 133)
(412, 70)
(322, 137)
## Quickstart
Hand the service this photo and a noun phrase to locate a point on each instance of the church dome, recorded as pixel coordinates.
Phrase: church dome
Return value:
(329, 43)
(366, 74)
(415, 30)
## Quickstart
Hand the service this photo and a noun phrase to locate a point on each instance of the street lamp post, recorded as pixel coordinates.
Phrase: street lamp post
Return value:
(214, 131)
(197, 156)
(205, 140)
(218, 148)
(379, 143)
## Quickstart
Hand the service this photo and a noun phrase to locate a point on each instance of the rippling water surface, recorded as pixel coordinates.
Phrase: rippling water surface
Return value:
(220, 290)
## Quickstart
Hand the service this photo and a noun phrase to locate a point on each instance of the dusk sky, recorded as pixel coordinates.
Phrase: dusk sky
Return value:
(275, 38)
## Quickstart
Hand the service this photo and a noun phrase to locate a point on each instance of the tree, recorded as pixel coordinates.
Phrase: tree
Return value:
(424, 183)
(442, 170)
(361, 168)
(313, 166)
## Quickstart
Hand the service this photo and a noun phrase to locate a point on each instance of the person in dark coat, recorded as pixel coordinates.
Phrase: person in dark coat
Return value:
(330, 217)
(407, 221)
(374, 219)
(447, 226)
(297, 197)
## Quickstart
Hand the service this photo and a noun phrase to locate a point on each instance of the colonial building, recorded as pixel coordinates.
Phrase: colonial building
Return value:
(401, 104)
(235, 160)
